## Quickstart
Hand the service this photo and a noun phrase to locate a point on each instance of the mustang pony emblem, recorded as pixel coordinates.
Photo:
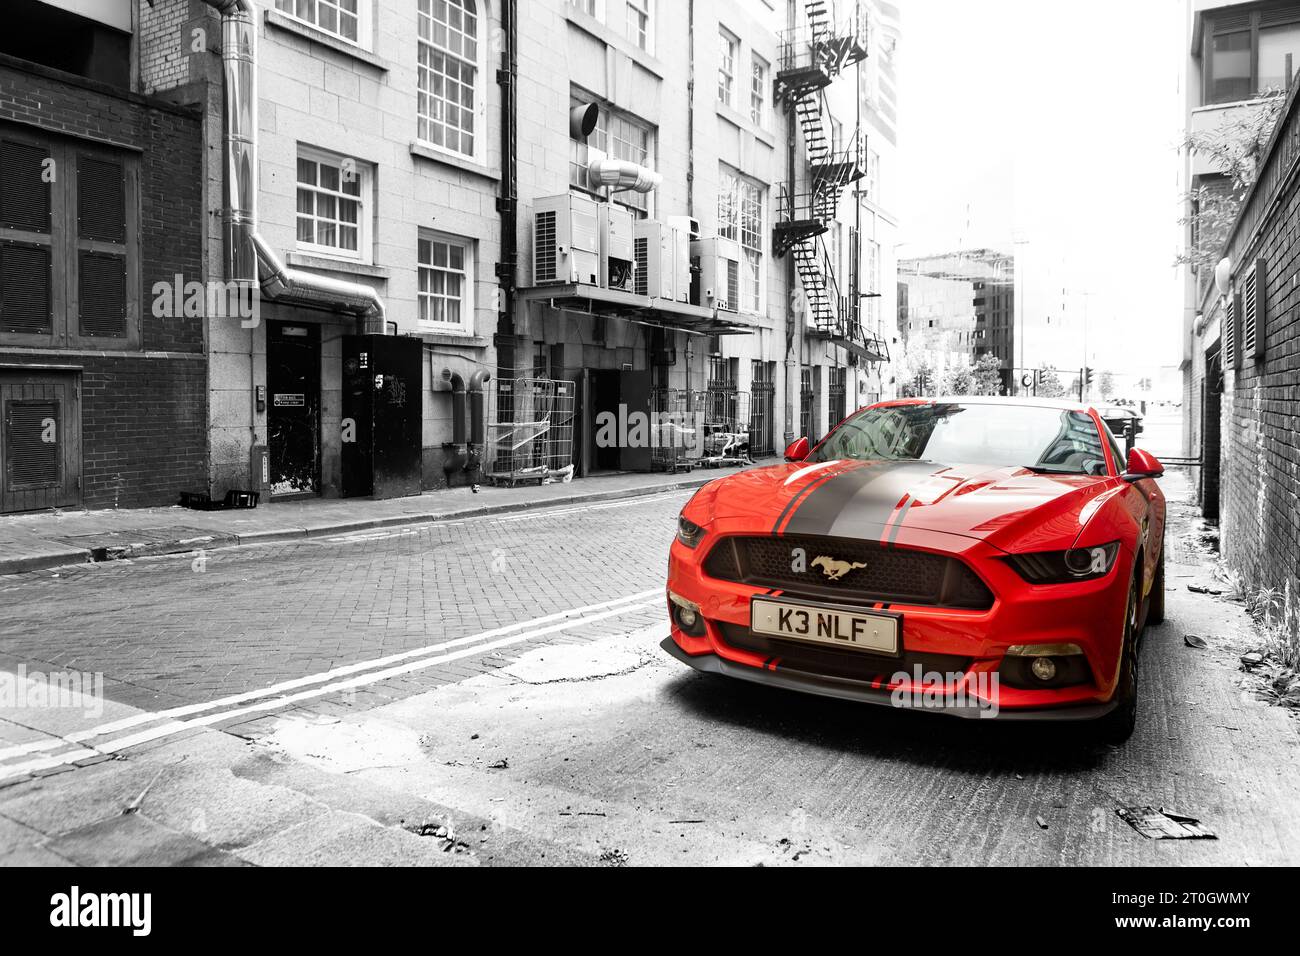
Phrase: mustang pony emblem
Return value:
(835, 569)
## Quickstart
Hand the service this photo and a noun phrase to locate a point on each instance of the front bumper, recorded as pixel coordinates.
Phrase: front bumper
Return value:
(1088, 614)
(868, 693)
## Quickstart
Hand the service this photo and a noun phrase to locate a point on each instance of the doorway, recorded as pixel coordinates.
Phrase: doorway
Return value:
(1211, 406)
(40, 441)
(620, 394)
(293, 417)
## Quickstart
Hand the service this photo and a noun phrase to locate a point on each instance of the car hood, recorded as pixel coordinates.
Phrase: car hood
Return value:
(1008, 507)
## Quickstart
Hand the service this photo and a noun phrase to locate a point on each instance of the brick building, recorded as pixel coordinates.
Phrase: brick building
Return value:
(1248, 347)
(102, 400)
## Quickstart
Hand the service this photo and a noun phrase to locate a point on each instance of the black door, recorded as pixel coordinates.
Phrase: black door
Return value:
(604, 393)
(634, 394)
(293, 418)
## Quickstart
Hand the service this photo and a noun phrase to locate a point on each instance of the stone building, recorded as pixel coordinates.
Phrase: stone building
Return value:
(374, 309)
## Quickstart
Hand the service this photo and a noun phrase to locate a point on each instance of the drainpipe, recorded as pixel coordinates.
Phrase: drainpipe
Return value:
(248, 257)
(508, 200)
(457, 405)
(478, 407)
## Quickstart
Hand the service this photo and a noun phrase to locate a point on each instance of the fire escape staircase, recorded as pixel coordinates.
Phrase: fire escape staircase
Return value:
(810, 61)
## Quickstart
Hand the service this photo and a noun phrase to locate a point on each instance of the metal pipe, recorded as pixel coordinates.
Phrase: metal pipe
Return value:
(618, 175)
(478, 407)
(457, 405)
(248, 257)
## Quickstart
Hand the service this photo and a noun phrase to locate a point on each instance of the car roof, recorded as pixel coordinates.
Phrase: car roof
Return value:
(1014, 401)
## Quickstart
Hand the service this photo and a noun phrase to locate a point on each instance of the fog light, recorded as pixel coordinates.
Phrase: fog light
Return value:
(687, 617)
(1044, 668)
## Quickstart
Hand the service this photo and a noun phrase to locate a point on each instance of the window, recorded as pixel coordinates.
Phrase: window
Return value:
(728, 45)
(873, 176)
(340, 18)
(758, 91)
(69, 245)
(638, 22)
(740, 219)
(449, 75)
(1248, 53)
(619, 136)
(586, 6)
(1279, 56)
(446, 282)
(333, 196)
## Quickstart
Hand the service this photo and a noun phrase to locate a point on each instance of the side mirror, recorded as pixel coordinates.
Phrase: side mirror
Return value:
(1142, 464)
(798, 450)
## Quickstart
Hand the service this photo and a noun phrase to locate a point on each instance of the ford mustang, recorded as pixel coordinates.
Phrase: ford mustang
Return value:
(978, 556)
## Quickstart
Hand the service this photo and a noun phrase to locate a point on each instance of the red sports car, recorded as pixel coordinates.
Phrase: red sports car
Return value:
(978, 556)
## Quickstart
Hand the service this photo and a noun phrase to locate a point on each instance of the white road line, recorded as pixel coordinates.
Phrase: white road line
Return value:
(80, 736)
(175, 727)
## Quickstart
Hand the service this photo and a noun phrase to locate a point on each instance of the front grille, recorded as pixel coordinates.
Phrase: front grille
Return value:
(839, 662)
(896, 575)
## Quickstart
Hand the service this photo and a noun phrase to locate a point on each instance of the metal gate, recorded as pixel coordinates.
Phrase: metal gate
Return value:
(530, 431)
(762, 403)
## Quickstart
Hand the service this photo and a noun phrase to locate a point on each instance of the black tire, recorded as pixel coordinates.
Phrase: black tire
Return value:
(1156, 601)
(1117, 726)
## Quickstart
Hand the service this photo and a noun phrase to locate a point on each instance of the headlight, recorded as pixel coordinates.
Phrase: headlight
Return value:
(688, 532)
(1060, 567)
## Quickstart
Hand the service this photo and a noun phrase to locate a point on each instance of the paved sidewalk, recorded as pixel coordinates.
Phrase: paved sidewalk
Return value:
(48, 539)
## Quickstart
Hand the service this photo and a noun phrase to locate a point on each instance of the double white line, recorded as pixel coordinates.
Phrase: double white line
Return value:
(179, 719)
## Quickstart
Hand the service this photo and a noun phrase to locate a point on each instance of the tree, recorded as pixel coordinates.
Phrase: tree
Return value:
(958, 380)
(1234, 147)
(987, 375)
(1049, 383)
(1107, 385)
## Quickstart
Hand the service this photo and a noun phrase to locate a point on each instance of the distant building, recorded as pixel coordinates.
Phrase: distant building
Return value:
(955, 307)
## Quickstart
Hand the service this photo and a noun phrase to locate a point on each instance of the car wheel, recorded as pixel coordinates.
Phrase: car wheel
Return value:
(1117, 726)
(1156, 602)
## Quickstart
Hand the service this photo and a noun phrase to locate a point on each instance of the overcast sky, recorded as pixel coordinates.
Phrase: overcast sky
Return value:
(1052, 128)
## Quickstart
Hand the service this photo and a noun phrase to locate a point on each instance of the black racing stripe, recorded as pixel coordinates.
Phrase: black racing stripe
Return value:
(820, 476)
(898, 522)
(866, 513)
(859, 498)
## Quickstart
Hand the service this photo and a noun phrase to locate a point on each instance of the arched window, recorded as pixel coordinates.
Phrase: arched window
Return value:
(450, 38)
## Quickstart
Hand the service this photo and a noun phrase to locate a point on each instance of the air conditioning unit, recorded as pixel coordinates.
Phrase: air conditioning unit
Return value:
(617, 256)
(719, 273)
(663, 261)
(687, 224)
(566, 240)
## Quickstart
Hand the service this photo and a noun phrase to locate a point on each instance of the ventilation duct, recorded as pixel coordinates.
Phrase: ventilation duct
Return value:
(249, 258)
(618, 175)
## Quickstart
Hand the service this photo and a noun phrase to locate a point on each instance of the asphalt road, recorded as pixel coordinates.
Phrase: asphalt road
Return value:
(496, 684)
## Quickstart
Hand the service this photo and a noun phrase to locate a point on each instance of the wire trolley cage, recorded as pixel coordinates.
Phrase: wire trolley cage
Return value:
(675, 432)
(530, 431)
(724, 418)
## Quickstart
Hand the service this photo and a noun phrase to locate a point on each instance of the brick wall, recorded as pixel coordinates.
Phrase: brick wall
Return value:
(143, 412)
(1260, 461)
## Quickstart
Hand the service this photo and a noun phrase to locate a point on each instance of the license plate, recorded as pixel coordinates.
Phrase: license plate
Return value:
(820, 624)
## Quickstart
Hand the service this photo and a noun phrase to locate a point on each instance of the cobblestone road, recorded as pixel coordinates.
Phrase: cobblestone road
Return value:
(167, 631)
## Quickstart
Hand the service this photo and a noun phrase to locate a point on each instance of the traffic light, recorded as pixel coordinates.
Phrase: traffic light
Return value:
(1087, 377)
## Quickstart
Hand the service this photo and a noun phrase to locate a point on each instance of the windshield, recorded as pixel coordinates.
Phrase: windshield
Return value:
(1052, 440)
